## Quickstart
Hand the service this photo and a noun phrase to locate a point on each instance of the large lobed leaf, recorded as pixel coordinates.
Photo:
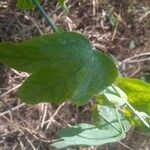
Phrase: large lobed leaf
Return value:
(62, 65)
(138, 93)
(107, 130)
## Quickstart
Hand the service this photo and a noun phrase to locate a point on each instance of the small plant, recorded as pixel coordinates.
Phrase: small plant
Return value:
(64, 66)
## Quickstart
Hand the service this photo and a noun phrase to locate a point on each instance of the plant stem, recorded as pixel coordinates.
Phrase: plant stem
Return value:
(42, 11)
(121, 125)
(138, 115)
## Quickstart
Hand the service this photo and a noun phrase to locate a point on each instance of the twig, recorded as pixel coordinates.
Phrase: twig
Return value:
(144, 16)
(55, 114)
(30, 143)
(139, 60)
(12, 109)
(126, 146)
(35, 23)
(94, 8)
(9, 91)
(116, 26)
(20, 74)
(134, 57)
(44, 115)
(136, 71)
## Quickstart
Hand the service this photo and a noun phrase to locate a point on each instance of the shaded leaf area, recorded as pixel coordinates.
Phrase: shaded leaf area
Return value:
(138, 93)
(25, 4)
(109, 130)
(62, 65)
(146, 78)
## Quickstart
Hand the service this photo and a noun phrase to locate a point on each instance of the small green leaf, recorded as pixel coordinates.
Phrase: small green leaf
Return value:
(25, 4)
(63, 5)
(138, 93)
(62, 65)
(109, 130)
(114, 95)
(116, 100)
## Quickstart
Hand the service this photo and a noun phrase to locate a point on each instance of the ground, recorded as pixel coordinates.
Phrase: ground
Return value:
(118, 28)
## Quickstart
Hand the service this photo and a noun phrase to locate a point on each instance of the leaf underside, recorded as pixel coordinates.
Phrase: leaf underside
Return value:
(107, 130)
(63, 66)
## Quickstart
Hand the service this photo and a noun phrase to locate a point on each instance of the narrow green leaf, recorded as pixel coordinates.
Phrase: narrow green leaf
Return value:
(63, 5)
(138, 93)
(62, 65)
(25, 4)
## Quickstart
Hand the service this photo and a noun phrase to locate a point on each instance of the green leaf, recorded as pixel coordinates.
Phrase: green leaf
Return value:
(104, 116)
(114, 95)
(48, 51)
(62, 65)
(138, 93)
(25, 4)
(87, 135)
(90, 135)
(63, 5)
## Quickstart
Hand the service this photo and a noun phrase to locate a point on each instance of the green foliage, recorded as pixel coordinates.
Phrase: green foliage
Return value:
(114, 95)
(28, 4)
(63, 5)
(25, 4)
(138, 93)
(107, 130)
(63, 66)
(116, 121)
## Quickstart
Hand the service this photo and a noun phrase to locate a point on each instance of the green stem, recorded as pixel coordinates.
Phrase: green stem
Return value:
(121, 125)
(137, 114)
(42, 11)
